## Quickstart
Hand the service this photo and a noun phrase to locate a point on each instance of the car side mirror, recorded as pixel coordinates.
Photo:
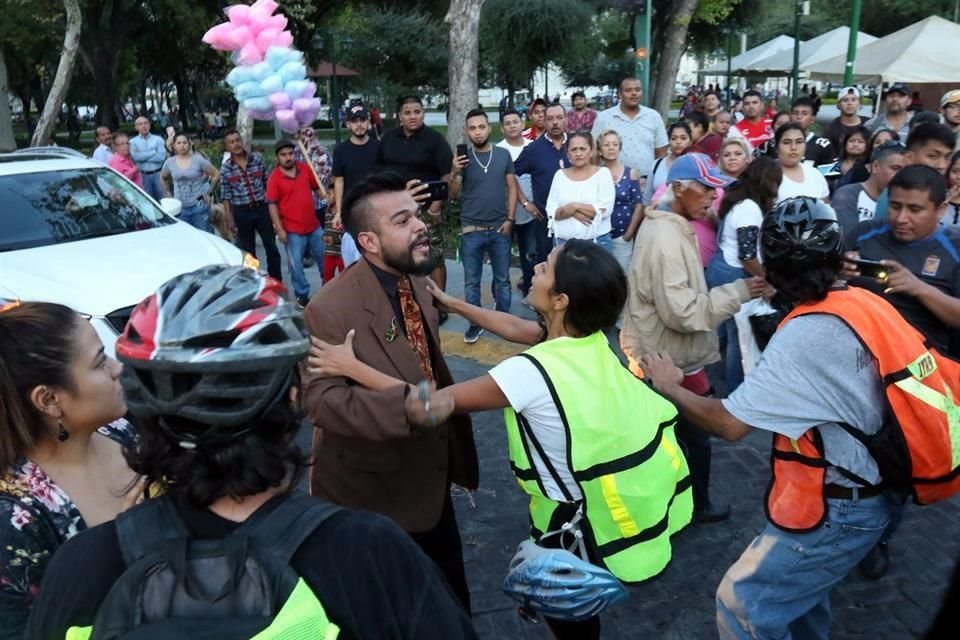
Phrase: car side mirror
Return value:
(171, 206)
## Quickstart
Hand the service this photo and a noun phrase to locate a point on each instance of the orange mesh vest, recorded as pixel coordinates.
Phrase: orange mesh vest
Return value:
(919, 447)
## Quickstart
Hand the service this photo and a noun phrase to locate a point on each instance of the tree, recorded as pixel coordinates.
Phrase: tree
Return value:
(398, 52)
(671, 50)
(464, 22)
(61, 82)
(517, 37)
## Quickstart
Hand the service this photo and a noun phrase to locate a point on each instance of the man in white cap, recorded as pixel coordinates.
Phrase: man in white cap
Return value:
(848, 101)
(950, 108)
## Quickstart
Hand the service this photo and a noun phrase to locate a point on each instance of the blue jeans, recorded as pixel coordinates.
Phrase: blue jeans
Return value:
(473, 246)
(780, 587)
(720, 273)
(296, 247)
(152, 184)
(534, 245)
(197, 215)
(605, 241)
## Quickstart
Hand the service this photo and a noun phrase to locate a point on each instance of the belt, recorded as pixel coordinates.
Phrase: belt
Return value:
(258, 203)
(837, 492)
(147, 173)
(470, 228)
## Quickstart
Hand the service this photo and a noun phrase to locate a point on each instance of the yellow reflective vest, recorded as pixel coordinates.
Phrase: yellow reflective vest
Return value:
(621, 451)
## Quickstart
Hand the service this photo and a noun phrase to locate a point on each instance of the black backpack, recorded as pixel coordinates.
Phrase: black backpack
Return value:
(178, 587)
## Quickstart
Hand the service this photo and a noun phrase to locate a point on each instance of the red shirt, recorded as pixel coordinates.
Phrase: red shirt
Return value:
(294, 197)
(756, 134)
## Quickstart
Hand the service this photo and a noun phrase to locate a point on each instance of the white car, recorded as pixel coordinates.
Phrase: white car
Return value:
(76, 232)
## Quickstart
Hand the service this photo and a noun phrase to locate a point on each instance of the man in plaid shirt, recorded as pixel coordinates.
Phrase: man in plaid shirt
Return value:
(243, 189)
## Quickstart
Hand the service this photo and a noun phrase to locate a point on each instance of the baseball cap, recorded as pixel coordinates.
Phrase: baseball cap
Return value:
(900, 88)
(284, 143)
(358, 111)
(699, 167)
(848, 90)
(950, 97)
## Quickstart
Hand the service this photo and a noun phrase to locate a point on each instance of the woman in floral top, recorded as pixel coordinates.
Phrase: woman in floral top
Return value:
(61, 470)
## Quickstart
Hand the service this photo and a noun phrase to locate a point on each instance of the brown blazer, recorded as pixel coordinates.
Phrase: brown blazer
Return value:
(366, 456)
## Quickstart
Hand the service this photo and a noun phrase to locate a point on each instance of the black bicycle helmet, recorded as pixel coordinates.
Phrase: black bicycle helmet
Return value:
(215, 346)
(799, 235)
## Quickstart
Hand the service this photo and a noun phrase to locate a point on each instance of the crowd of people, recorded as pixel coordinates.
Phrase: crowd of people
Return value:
(675, 235)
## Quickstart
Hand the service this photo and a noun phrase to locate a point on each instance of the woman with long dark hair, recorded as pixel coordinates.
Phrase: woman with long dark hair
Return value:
(61, 469)
(799, 178)
(741, 214)
(854, 148)
(569, 405)
(211, 376)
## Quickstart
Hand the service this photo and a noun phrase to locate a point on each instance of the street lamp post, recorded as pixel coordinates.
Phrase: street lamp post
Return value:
(335, 40)
(852, 44)
(802, 9)
(641, 28)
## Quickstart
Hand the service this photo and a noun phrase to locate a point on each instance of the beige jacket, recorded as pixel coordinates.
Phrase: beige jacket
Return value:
(669, 307)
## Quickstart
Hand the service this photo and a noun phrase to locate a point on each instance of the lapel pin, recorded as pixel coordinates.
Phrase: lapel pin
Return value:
(391, 333)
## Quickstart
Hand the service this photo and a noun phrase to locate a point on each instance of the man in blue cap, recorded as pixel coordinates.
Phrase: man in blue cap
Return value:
(669, 308)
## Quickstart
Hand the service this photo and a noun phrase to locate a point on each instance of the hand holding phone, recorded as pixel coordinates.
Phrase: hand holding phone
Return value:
(872, 269)
(438, 190)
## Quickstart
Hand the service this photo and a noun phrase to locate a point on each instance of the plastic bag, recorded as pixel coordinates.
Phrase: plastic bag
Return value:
(756, 323)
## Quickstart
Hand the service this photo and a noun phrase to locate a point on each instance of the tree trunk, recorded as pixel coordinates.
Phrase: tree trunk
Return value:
(103, 62)
(61, 82)
(182, 103)
(7, 141)
(244, 127)
(673, 43)
(464, 21)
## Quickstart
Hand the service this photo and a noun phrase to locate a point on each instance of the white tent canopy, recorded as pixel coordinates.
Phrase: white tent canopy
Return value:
(928, 51)
(739, 63)
(823, 47)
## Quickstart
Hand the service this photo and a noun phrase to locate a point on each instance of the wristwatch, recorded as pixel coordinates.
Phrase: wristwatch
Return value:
(524, 204)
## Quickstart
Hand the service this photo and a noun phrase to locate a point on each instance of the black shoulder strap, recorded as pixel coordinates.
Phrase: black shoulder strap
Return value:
(528, 431)
(283, 530)
(147, 527)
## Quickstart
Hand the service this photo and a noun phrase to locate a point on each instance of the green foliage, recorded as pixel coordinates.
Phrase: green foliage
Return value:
(396, 51)
(519, 36)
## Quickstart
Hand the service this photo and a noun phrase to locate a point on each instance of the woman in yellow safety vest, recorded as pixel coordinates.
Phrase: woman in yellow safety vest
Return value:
(592, 445)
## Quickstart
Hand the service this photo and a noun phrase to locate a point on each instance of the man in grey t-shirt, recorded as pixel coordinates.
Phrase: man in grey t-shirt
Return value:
(483, 179)
(814, 376)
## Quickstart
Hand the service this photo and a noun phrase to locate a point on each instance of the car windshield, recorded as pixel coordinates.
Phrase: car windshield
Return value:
(47, 208)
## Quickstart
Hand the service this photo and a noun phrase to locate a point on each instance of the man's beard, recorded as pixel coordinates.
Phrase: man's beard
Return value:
(482, 143)
(404, 262)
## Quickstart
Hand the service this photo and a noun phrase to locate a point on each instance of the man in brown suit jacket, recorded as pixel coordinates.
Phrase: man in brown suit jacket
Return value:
(366, 454)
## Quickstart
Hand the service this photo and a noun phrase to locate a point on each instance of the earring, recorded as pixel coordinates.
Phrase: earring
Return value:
(63, 435)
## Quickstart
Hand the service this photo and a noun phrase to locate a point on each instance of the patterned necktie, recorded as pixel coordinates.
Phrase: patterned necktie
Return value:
(413, 322)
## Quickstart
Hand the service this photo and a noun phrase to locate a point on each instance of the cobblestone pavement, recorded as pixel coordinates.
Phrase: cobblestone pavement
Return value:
(679, 604)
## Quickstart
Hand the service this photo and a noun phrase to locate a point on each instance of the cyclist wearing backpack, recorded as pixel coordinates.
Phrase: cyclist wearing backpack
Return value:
(227, 550)
(853, 432)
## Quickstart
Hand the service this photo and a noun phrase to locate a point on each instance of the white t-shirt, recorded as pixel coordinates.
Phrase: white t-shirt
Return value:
(597, 190)
(746, 213)
(528, 394)
(524, 181)
(814, 185)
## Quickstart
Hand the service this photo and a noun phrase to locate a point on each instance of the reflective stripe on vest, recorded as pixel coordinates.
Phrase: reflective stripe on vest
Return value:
(621, 452)
(301, 617)
(917, 384)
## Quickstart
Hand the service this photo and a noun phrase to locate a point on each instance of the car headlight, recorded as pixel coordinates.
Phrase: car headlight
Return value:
(9, 303)
(250, 261)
